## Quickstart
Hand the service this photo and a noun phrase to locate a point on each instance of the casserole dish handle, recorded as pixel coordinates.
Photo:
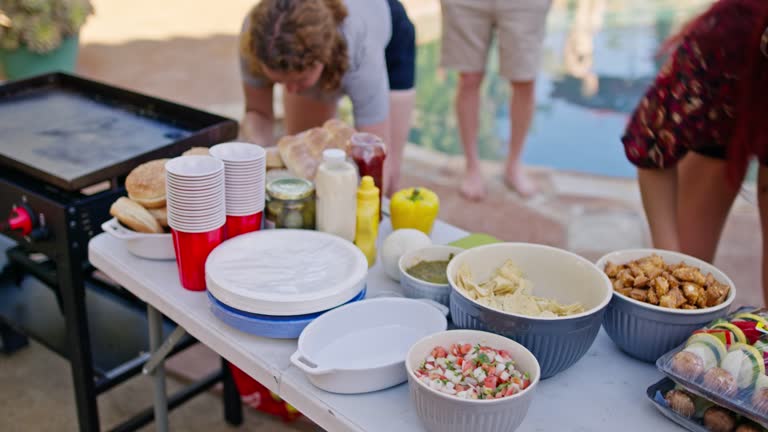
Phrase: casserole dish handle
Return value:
(306, 365)
(116, 230)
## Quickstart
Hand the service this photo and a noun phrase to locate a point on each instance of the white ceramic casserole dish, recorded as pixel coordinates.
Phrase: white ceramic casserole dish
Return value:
(361, 347)
(149, 246)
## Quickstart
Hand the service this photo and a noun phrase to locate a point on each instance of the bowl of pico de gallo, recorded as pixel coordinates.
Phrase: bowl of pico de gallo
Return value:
(471, 380)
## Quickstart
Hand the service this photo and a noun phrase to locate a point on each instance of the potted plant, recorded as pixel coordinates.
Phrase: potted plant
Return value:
(40, 36)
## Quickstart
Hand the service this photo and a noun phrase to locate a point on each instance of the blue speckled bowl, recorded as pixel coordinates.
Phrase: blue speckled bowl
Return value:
(557, 343)
(645, 331)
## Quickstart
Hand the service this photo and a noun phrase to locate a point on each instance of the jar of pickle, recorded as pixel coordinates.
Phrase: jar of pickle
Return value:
(291, 204)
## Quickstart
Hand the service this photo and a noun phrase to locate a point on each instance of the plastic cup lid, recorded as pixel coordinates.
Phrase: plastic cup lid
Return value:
(240, 213)
(194, 188)
(196, 219)
(194, 209)
(198, 229)
(194, 166)
(238, 152)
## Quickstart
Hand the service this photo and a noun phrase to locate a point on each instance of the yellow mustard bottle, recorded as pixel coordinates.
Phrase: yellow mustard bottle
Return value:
(367, 218)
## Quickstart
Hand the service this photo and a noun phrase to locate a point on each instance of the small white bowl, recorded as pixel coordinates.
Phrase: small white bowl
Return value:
(414, 287)
(441, 412)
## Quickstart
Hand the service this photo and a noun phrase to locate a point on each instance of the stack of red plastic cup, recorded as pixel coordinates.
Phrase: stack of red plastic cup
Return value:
(196, 213)
(245, 171)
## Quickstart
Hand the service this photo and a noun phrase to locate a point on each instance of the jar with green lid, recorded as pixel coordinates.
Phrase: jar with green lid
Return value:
(291, 203)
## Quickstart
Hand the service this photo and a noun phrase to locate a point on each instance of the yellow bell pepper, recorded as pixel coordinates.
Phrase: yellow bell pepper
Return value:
(414, 208)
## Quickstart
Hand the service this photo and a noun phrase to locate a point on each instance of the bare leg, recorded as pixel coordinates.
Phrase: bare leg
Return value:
(703, 202)
(467, 110)
(521, 113)
(762, 198)
(302, 113)
(400, 111)
(658, 189)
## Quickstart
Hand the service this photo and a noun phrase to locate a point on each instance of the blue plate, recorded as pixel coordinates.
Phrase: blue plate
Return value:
(276, 327)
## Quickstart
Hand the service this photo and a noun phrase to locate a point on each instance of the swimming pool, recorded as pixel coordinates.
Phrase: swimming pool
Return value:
(599, 57)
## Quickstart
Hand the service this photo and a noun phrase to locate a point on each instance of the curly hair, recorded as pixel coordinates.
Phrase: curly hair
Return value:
(292, 35)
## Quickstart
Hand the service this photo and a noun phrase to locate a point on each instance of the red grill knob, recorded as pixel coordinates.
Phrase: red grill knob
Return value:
(21, 221)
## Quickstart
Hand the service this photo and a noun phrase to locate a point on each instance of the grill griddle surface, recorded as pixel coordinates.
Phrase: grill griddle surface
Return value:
(68, 135)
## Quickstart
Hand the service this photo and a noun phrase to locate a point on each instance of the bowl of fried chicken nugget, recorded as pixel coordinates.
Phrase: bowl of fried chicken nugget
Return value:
(659, 298)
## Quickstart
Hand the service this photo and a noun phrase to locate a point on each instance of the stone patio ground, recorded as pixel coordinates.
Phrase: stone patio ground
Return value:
(185, 51)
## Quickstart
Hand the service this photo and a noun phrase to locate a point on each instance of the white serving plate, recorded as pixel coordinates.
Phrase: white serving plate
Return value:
(285, 272)
(361, 347)
(150, 246)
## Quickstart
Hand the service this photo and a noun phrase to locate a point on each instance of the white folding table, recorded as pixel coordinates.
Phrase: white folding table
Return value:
(604, 391)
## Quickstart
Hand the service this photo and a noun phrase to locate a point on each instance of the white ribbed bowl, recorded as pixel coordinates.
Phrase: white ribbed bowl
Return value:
(440, 412)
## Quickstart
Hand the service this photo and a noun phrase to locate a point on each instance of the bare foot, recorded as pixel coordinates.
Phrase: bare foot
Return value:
(516, 178)
(473, 186)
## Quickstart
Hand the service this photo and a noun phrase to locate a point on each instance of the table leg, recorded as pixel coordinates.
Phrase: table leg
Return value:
(72, 288)
(158, 374)
(233, 406)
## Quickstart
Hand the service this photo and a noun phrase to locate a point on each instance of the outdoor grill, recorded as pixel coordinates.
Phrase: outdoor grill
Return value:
(67, 144)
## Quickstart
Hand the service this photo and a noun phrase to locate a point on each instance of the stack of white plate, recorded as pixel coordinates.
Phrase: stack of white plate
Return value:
(195, 194)
(284, 273)
(245, 171)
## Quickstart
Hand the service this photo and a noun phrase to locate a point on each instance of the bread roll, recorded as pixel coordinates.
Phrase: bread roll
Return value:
(160, 215)
(199, 151)
(274, 161)
(303, 153)
(134, 216)
(146, 184)
(341, 132)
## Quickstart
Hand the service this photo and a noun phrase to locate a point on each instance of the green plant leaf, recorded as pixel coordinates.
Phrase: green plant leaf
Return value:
(40, 25)
(36, 6)
(42, 36)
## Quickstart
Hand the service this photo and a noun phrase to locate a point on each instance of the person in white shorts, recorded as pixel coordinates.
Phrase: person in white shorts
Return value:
(468, 28)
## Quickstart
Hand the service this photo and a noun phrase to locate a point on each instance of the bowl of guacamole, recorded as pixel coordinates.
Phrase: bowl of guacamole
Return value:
(423, 272)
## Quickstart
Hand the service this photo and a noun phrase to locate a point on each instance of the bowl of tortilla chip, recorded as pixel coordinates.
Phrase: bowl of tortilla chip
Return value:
(549, 300)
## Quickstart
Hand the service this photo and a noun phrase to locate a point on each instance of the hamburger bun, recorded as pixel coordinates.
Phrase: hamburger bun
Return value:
(134, 216)
(197, 151)
(160, 215)
(274, 161)
(146, 184)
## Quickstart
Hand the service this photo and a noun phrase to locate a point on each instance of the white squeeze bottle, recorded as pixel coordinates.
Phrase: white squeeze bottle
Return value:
(336, 189)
